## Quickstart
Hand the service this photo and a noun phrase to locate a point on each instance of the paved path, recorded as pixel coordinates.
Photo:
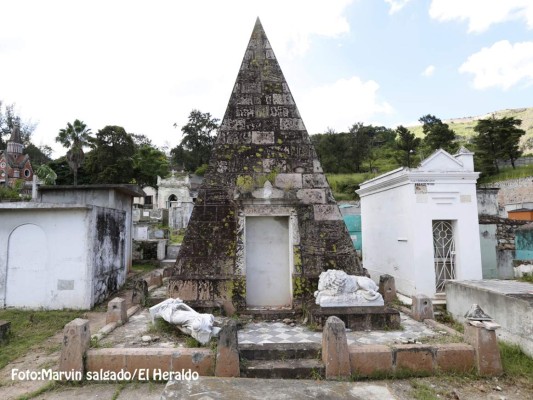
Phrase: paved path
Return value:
(283, 389)
(278, 332)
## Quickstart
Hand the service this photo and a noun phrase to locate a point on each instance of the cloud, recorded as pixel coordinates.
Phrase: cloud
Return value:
(429, 71)
(143, 66)
(502, 65)
(341, 104)
(396, 5)
(481, 14)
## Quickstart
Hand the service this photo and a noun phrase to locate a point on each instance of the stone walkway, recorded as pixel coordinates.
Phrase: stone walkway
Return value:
(278, 332)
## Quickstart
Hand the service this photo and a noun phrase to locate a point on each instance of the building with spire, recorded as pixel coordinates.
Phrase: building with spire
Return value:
(14, 164)
(265, 223)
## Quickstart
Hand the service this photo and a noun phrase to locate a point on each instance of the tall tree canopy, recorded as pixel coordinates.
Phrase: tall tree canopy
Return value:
(148, 164)
(111, 157)
(407, 144)
(438, 135)
(75, 137)
(497, 139)
(198, 139)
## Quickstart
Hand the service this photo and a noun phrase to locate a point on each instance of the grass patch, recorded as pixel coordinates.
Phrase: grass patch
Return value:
(148, 267)
(446, 318)
(509, 173)
(30, 328)
(526, 278)
(515, 363)
(176, 237)
(422, 391)
(345, 185)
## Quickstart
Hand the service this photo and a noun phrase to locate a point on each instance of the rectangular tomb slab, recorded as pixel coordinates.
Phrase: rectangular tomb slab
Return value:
(359, 318)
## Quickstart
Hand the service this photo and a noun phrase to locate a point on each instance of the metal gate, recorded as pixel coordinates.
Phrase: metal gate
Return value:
(444, 250)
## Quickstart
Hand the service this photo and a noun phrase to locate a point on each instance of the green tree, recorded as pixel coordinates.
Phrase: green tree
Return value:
(148, 164)
(198, 139)
(407, 144)
(46, 174)
(360, 142)
(75, 137)
(438, 135)
(497, 139)
(111, 157)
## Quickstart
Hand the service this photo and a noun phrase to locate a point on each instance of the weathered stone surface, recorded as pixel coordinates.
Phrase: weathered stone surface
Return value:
(116, 311)
(156, 279)
(227, 361)
(370, 360)
(387, 288)
(455, 357)
(327, 212)
(416, 358)
(261, 138)
(139, 292)
(76, 341)
(312, 196)
(422, 307)
(487, 352)
(335, 355)
(288, 181)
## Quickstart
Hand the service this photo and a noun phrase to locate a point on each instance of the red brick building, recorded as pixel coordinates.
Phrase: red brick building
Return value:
(14, 164)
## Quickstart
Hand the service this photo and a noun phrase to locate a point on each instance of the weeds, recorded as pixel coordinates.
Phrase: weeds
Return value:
(30, 328)
(515, 362)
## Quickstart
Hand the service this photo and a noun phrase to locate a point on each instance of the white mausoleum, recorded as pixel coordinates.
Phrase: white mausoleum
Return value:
(420, 225)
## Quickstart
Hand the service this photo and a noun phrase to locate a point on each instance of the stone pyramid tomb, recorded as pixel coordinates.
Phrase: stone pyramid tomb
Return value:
(265, 223)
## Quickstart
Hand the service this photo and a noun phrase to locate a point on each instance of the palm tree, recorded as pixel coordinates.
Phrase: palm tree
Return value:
(74, 137)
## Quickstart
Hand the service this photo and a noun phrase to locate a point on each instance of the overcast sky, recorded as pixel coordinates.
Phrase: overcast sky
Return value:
(145, 65)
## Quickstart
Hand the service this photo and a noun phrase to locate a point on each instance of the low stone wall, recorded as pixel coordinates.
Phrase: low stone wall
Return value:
(151, 361)
(514, 312)
(418, 359)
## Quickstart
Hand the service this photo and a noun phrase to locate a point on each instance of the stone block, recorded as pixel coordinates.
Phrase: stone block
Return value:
(117, 311)
(139, 292)
(148, 360)
(263, 137)
(288, 181)
(335, 355)
(76, 341)
(5, 331)
(312, 196)
(422, 307)
(370, 360)
(156, 278)
(414, 358)
(455, 357)
(199, 360)
(227, 361)
(327, 212)
(387, 288)
(487, 353)
(167, 272)
(311, 181)
(105, 359)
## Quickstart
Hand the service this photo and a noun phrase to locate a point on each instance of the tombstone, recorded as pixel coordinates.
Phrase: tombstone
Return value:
(387, 288)
(139, 294)
(422, 307)
(265, 223)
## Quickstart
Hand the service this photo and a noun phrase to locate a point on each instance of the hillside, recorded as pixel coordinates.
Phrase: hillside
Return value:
(464, 127)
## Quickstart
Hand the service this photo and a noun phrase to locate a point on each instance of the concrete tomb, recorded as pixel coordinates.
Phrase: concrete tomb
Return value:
(265, 224)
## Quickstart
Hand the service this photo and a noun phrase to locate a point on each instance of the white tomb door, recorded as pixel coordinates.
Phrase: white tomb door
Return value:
(268, 275)
(27, 283)
(444, 253)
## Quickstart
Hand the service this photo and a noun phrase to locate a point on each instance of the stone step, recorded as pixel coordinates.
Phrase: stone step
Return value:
(283, 369)
(279, 351)
(271, 315)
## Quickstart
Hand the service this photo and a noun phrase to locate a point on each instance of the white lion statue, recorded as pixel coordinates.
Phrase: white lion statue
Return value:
(338, 289)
